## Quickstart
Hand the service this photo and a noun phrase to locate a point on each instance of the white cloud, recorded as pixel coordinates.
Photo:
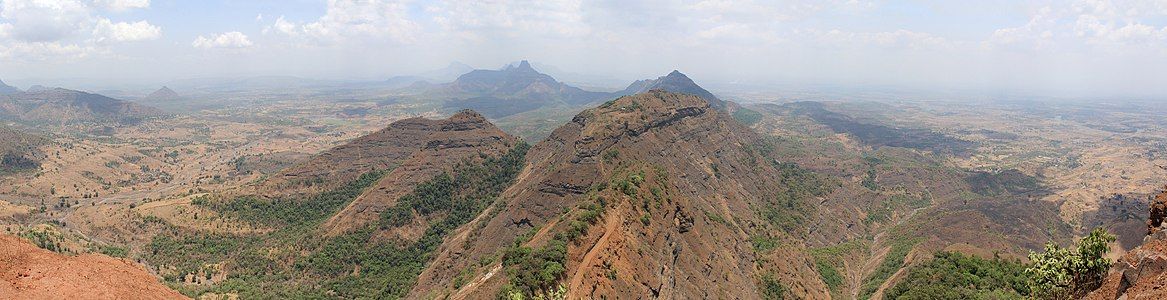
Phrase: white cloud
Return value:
(45, 51)
(66, 29)
(44, 21)
(354, 20)
(107, 31)
(120, 5)
(473, 19)
(232, 39)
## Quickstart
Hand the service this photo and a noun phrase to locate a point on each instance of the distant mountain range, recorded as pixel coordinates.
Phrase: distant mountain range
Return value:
(520, 88)
(63, 106)
(7, 90)
(500, 93)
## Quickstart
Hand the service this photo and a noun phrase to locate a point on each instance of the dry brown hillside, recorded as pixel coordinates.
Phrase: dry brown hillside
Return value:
(463, 137)
(650, 195)
(1142, 272)
(380, 150)
(28, 272)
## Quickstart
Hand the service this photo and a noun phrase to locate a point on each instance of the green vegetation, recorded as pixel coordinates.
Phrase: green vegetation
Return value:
(891, 263)
(1060, 273)
(771, 289)
(951, 275)
(44, 239)
(828, 261)
(763, 243)
(829, 274)
(1055, 273)
(291, 212)
(294, 261)
(747, 116)
(788, 208)
(114, 251)
(888, 206)
(535, 272)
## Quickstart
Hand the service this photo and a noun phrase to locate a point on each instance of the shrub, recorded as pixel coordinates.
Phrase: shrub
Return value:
(1062, 273)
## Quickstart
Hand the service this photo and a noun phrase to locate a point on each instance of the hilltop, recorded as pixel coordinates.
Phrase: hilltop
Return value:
(68, 106)
(388, 148)
(5, 89)
(163, 94)
(645, 195)
(675, 82)
(515, 89)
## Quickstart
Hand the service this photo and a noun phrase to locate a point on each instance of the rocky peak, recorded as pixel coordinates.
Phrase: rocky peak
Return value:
(675, 82)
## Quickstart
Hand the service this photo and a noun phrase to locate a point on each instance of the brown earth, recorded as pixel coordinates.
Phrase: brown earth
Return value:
(691, 238)
(28, 272)
(463, 137)
(381, 150)
(1142, 272)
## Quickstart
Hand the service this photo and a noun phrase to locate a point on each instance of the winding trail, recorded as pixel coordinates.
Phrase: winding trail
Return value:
(611, 223)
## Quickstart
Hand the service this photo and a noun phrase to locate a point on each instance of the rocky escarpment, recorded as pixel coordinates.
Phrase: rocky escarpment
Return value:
(654, 195)
(1142, 272)
(464, 137)
(405, 143)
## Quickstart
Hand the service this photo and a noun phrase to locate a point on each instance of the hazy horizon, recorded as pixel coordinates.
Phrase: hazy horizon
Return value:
(1085, 48)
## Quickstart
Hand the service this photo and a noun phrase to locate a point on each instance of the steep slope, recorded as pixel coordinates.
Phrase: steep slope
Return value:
(500, 93)
(387, 148)
(463, 137)
(5, 89)
(675, 82)
(1142, 272)
(19, 151)
(68, 106)
(28, 272)
(650, 195)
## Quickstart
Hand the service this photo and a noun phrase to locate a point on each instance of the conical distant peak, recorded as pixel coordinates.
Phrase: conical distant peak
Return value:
(675, 73)
(524, 66)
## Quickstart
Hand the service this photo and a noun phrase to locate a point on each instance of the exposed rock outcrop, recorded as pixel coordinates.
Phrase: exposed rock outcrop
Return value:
(1142, 272)
(679, 189)
(465, 136)
(407, 145)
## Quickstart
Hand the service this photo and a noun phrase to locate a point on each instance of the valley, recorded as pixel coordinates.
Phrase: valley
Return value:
(661, 190)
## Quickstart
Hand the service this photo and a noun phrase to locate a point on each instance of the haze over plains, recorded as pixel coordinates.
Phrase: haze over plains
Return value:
(1085, 48)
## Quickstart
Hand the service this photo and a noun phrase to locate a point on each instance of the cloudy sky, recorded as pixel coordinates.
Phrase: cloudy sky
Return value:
(1114, 47)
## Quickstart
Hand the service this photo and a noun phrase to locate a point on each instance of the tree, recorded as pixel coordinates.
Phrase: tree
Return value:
(1063, 273)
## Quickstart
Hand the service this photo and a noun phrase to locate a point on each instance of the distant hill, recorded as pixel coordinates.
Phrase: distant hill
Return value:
(37, 88)
(7, 90)
(19, 151)
(382, 150)
(163, 94)
(675, 82)
(68, 106)
(447, 74)
(516, 89)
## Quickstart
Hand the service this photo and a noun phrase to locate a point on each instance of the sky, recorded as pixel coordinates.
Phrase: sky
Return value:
(1086, 47)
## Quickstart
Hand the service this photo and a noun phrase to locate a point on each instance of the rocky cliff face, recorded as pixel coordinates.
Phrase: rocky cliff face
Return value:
(466, 136)
(411, 145)
(1142, 272)
(676, 189)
